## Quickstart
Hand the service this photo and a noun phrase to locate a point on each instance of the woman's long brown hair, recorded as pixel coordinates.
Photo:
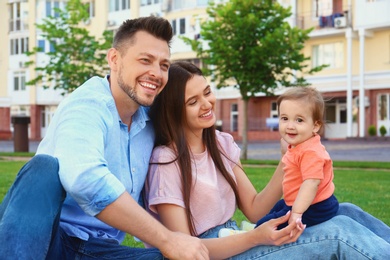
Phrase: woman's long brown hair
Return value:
(168, 117)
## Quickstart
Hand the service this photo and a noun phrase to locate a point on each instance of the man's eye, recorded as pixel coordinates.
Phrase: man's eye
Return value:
(165, 67)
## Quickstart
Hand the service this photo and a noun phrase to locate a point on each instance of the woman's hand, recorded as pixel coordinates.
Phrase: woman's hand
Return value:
(283, 146)
(268, 234)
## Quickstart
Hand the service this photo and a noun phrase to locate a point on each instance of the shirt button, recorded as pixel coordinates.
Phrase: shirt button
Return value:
(133, 169)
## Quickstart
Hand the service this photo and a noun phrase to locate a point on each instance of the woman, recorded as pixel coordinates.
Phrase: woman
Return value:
(196, 182)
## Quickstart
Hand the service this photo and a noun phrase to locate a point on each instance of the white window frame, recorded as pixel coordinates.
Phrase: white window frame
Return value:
(331, 54)
(234, 117)
(20, 79)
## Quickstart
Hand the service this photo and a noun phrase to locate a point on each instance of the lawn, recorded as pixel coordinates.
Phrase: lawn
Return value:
(367, 186)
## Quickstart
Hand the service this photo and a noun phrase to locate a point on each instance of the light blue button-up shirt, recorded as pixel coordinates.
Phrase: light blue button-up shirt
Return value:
(98, 157)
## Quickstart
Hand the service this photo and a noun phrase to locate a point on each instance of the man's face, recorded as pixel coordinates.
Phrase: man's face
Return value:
(143, 68)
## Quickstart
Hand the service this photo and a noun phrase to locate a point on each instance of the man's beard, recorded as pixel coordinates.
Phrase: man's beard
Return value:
(131, 92)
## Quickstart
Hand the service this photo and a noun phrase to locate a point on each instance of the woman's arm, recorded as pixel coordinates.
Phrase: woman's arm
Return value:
(173, 217)
(256, 205)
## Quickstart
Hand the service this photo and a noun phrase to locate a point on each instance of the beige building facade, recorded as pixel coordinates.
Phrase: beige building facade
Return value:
(352, 36)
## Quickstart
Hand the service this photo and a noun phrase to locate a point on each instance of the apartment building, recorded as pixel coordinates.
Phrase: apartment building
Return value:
(352, 36)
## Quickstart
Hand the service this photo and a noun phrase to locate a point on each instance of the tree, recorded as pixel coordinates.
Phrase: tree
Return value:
(252, 43)
(75, 56)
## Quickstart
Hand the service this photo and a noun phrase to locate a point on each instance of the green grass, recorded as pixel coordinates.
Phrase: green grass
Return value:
(366, 184)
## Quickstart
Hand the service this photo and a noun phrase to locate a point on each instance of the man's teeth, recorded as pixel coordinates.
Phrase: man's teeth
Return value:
(148, 85)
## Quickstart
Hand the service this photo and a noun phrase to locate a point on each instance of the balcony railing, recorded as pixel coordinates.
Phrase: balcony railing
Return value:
(334, 20)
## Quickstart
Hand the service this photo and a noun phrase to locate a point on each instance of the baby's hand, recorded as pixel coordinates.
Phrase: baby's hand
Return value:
(294, 217)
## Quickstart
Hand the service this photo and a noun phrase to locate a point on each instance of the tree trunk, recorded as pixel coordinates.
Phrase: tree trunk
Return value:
(244, 149)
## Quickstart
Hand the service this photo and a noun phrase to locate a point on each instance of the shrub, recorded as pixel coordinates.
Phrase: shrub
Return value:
(383, 130)
(372, 130)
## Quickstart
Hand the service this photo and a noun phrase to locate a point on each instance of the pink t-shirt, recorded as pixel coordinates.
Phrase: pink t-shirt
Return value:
(212, 199)
(308, 160)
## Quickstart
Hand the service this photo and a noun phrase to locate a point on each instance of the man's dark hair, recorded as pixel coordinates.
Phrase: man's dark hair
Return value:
(156, 26)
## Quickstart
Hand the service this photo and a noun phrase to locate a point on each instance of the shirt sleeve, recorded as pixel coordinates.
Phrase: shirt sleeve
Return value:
(80, 140)
(229, 148)
(312, 165)
(164, 180)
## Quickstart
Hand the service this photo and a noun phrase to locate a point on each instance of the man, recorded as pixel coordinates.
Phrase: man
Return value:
(78, 196)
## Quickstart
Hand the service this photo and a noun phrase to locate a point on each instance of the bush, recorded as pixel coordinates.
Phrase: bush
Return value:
(372, 130)
(383, 130)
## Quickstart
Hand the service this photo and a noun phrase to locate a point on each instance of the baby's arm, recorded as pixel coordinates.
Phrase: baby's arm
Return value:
(307, 193)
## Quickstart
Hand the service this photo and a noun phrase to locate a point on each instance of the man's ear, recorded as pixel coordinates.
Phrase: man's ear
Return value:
(112, 58)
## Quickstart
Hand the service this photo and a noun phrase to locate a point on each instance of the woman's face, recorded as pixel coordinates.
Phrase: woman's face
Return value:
(199, 105)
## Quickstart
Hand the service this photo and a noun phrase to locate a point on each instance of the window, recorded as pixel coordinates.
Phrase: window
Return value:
(15, 16)
(179, 26)
(146, 2)
(52, 49)
(41, 45)
(330, 113)
(18, 46)
(331, 54)
(12, 47)
(322, 8)
(118, 5)
(50, 8)
(19, 81)
(173, 23)
(91, 8)
(383, 107)
(274, 109)
(182, 26)
(234, 117)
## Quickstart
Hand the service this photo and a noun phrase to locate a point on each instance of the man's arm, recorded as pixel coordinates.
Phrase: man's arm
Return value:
(125, 214)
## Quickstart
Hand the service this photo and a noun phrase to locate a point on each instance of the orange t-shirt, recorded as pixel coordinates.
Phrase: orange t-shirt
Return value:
(308, 160)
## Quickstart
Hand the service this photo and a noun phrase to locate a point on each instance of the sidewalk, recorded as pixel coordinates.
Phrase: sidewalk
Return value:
(339, 150)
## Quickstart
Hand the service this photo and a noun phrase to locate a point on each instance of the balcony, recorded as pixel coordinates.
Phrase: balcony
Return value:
(334, 20)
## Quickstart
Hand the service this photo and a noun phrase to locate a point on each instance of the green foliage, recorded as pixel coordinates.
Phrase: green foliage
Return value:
(372, 130)
(77, 56)
(383, 130)
(366, 188)
(252, 43)
(371, 185)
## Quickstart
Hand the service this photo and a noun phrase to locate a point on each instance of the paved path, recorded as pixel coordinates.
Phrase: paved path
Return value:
(339, 150)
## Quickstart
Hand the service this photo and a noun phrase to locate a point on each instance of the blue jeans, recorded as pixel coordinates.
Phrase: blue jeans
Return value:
(352, 234)
(29, 221)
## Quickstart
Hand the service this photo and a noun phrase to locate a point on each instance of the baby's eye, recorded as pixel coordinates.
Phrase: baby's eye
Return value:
(299, 120)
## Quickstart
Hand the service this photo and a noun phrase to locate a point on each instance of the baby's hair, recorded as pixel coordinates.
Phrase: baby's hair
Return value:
(309, 95)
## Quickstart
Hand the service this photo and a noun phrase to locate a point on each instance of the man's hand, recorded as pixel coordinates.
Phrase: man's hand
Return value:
(182, 247)
(270, 235)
